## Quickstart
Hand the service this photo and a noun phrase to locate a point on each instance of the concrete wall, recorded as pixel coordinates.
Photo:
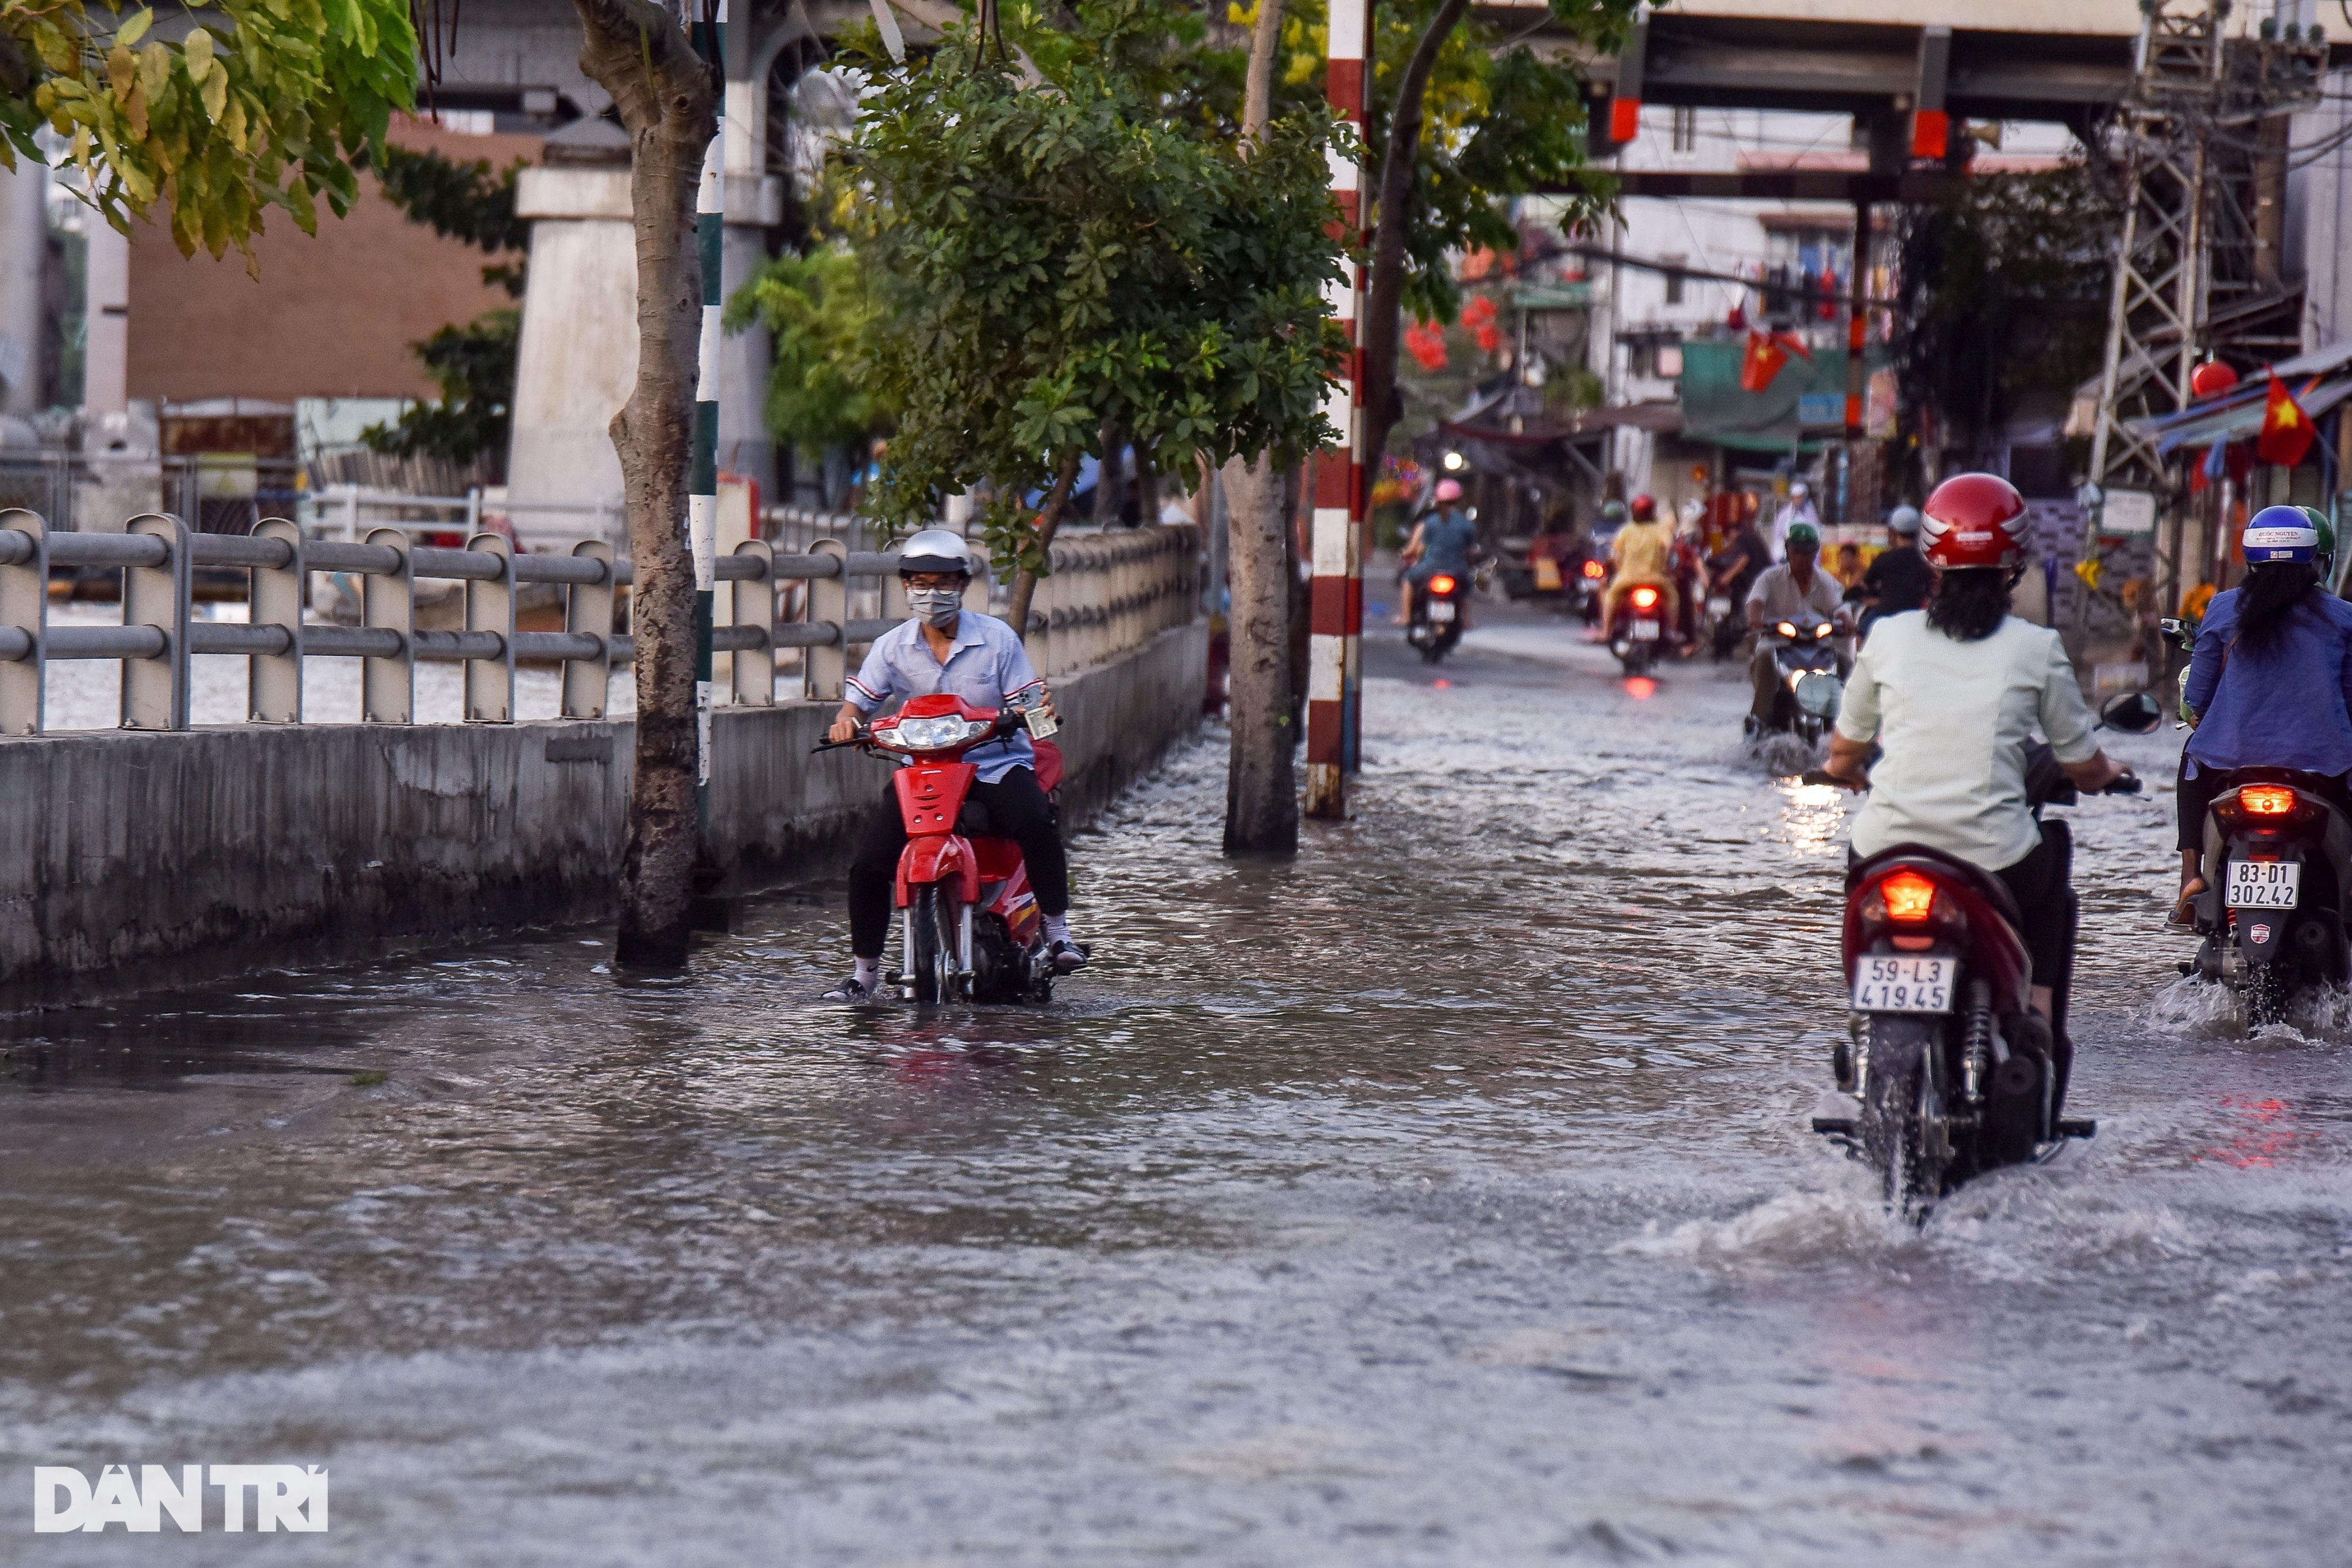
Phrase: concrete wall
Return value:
(148, 859)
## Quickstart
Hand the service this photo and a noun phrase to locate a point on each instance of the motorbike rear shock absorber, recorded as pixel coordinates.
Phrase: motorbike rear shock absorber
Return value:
(1976, 1047)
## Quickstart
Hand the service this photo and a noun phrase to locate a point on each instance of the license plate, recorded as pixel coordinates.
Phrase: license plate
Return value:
(1719, 608)
(1904, 985)
(2264, 884)
(1441, 611)
(1643, 631)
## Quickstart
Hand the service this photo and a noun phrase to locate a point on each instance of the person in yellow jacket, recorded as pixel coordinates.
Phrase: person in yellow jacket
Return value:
(1643, 552)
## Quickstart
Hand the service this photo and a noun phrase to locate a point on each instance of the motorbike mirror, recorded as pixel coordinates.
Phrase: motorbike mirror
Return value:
(2133, 712)
(1818, 694)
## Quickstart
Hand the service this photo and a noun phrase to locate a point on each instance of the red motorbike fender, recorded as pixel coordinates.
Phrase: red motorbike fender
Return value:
(935, 859)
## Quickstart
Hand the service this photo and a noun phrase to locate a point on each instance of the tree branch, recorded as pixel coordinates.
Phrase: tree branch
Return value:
(1049, 522)
(1384, 298)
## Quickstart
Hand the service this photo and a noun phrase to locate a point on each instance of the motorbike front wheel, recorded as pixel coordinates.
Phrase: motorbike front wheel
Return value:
(933, 938)
(1901, 1115)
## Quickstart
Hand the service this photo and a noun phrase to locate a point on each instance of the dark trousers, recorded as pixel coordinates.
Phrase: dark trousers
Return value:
(1020, 811)
(2195, 796)
(2044, 892)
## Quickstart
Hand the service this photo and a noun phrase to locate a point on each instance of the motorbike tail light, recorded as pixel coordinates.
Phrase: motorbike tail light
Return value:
(1441, 583)
(1645, 598)
(1594, 570)
(2267, 800)
(1910, 898)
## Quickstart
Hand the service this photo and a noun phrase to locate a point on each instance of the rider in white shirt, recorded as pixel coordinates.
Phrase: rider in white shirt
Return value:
(1950, 694)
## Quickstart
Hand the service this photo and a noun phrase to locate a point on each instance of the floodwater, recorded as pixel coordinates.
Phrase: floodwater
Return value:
(1442, 1197)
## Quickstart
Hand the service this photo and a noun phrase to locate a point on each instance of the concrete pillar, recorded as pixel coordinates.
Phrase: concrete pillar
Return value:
(106, 356)
(578, 356)
(24, 264)
(577, 359)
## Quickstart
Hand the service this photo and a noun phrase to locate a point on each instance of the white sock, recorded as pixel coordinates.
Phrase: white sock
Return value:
(868, 971)
(1057, 929)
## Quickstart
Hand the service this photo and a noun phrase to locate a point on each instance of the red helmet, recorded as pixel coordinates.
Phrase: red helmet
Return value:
(1646, 509)
(1975, 520)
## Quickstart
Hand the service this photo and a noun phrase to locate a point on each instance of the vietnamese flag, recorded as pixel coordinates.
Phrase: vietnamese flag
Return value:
(1763, 361)
(2287, 432)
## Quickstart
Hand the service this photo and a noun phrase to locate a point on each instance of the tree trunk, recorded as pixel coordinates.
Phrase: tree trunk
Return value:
(1049, 522)
(1384, 294)
(668, 104)
(1261, 772)
(1261, 779)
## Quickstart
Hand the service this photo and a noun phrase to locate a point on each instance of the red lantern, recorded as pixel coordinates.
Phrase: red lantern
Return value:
(2212, 379)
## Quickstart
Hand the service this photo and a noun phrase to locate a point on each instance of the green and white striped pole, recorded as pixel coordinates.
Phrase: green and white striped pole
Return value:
(702, 478)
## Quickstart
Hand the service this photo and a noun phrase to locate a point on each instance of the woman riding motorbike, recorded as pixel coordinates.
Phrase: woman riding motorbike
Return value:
(2269, 685)
(1952, 694)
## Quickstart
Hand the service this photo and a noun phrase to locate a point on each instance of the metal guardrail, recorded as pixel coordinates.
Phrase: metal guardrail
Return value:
(1118, 591)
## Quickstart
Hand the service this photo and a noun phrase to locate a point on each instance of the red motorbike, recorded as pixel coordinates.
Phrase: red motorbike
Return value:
(1955, 1073)
(971, 928)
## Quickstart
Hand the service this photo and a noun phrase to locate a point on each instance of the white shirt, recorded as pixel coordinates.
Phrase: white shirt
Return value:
(1954, 718)
(1777, 592)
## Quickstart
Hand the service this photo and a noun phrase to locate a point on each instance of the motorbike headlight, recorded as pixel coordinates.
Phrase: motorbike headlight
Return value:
(930, 735)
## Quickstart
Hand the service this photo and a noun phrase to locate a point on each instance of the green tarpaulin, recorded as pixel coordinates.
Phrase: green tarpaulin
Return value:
(1806, 400)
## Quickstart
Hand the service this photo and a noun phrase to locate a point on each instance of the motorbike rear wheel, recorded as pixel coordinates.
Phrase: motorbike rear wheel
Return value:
(1901, 1102)
(934, 936)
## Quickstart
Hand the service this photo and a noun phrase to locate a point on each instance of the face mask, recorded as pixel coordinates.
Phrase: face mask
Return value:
(935, 606)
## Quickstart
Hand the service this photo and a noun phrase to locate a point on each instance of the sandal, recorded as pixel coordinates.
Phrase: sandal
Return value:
(2183, 915)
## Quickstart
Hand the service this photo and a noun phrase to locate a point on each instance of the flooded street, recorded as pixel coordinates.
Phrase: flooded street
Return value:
(1444, 1196)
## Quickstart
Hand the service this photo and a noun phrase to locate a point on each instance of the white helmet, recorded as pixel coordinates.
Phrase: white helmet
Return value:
(1904, 519)
(935, 549)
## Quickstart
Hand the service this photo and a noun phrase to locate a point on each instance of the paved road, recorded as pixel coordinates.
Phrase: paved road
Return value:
(1443, 1197)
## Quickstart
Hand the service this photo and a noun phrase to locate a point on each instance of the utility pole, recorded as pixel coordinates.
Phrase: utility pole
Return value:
(2197, 269)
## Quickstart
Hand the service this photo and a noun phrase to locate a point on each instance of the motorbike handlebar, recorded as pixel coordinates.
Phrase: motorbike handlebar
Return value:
(2127, 784)
(1006, 723)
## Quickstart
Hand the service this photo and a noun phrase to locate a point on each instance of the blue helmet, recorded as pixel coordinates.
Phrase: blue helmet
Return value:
(2279, 533)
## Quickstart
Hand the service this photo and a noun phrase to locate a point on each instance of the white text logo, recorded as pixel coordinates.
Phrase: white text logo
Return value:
(285, 1497)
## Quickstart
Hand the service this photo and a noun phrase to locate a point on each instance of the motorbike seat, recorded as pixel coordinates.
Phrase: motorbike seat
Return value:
(1986, 886)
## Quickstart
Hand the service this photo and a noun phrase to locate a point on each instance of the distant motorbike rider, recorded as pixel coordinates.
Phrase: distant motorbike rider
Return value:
(944, 647)
(1732, 572)
(1795, 512)
(2269, 683)
(1952, 697)
(1643, 552)
(1444, 541)
(1796, 590)
(1898, 577)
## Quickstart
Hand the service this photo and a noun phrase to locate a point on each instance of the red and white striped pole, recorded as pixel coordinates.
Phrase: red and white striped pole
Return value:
(1336, 597)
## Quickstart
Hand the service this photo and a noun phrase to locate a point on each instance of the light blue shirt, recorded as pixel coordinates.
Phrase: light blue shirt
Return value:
(986, 666)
